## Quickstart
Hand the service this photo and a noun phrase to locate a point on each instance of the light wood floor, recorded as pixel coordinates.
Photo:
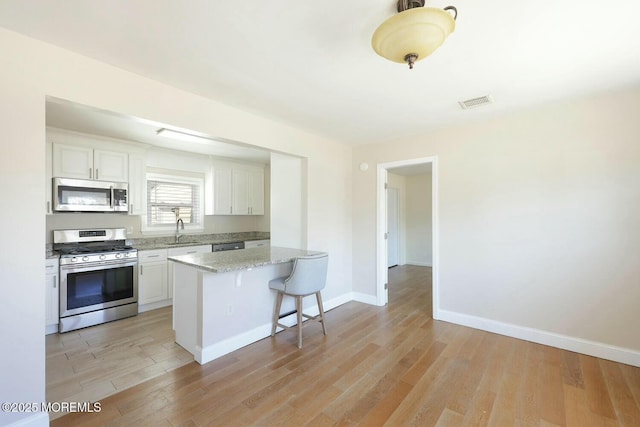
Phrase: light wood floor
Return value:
(390, 366)
(90, 364)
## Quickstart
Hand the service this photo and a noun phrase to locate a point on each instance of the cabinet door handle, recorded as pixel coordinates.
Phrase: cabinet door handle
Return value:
(96, 173)
(131, 208)
(90, 173)
(152, 256)
(191, 252)
(48, 207)
(55, 281)
(141, 270)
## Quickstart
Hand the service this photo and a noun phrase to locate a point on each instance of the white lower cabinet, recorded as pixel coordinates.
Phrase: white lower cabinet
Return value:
(52, 295)
(155, 275)
(256, 243)
(152, 279)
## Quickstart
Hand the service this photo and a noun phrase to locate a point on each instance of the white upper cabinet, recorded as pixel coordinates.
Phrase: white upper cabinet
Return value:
(137, 184)
(110, 166)
(248, 191)
(83, 162)
(256, 191)
(222, 190)
(71, 161)
(238, 189)
(240, 179)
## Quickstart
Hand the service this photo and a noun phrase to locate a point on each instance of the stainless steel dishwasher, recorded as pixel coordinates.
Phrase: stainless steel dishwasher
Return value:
(218, 247)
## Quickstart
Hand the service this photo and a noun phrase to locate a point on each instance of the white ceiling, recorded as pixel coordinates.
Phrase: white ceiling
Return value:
(311, 65)
(63, 114)
(417, 169)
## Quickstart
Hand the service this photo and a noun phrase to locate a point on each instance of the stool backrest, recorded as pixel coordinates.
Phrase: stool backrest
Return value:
(308, 276)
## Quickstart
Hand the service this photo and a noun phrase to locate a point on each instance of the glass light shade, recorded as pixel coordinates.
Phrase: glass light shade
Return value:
(420, 31)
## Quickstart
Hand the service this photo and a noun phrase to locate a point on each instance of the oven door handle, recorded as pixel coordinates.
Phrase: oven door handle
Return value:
(79, 268)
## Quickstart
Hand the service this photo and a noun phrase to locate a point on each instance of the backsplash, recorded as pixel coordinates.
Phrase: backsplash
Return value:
(198, 239)
(213, 224)
(185, 239)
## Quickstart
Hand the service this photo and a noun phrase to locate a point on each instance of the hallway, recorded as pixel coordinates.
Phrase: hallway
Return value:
(411, 285)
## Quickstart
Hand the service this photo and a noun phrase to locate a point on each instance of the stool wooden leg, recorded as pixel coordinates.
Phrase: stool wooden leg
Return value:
(276, 313)
(299, 313)
(319, 299)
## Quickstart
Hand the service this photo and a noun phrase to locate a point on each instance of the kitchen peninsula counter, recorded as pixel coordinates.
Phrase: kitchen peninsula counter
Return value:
(222, 300)
(226, 261)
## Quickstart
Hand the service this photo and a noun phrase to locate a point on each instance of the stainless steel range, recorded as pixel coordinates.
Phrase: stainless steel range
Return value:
(98, 277)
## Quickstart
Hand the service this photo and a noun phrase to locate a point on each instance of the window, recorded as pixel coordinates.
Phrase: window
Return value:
(173, 197)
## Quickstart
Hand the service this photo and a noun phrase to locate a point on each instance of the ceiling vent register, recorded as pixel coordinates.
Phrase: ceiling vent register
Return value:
(475, 102)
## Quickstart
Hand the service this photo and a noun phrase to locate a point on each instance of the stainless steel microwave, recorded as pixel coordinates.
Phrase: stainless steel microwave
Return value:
(80, 195)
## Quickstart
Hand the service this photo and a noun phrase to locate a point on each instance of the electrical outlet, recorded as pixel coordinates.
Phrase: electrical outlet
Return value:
(229, 310)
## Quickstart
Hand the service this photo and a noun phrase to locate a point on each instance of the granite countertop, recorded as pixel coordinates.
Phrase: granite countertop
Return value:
(241, 259)
(186, 240)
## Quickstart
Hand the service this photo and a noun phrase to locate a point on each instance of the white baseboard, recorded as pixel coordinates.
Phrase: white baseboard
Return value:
(154, 305)
(219, 349)
(364, 298)
(419, 263)
(578, 345)
(39, 419)
(591, 348)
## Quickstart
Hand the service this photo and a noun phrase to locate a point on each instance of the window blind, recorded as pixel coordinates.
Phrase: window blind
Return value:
(167, 201)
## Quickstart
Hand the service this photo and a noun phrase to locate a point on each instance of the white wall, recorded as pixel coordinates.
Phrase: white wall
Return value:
(31, 70)
(539, 215)
(288, 205)
(419, 233)
(22, 134)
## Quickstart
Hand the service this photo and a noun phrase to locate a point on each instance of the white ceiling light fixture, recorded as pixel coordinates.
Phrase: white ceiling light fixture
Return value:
(414, 33)
(182, 136)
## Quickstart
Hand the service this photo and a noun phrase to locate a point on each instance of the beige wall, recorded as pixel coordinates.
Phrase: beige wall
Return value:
(31, 70)
(539, 219)
(418, 220)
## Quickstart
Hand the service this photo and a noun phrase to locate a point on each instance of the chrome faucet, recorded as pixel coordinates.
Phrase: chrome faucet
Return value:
(178, 223)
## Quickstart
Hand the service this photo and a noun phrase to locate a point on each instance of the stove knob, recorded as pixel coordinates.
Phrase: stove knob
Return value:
(74, 259)
(85, 258)
(118, 255)
(103, 257)
(127, 254)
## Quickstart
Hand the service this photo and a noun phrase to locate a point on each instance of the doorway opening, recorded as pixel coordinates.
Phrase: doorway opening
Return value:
(417, 234)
